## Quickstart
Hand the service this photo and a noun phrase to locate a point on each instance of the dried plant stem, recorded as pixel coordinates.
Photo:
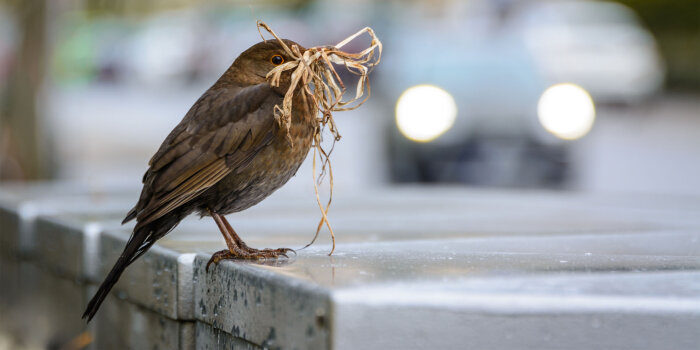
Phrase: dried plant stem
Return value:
(324, 210)
(314, 68)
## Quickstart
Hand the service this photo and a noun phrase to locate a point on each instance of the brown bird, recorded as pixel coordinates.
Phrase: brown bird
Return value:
(227, 154)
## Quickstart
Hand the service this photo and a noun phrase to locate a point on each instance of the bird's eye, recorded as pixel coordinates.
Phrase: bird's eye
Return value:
(277, 60)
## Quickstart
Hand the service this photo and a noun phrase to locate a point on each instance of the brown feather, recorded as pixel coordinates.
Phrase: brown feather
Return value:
(227, 154)
(189, 189)
(180, 170)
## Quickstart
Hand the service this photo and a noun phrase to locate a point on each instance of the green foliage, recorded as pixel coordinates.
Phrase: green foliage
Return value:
(676, 26)
(670, 15)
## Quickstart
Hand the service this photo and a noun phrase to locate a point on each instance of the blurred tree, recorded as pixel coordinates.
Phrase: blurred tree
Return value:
(148, 7)
(676, 25)
(22, 156)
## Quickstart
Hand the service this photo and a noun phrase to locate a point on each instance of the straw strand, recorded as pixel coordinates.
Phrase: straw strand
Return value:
(314, 67)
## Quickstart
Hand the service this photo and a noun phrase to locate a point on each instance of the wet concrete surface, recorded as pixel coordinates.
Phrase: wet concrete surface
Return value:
(436, 267)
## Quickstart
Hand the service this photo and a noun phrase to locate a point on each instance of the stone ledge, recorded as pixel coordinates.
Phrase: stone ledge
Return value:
(414, 268)
(153, 280)
(121, 324)
(68, 243)
(261, 306)
(21, 205)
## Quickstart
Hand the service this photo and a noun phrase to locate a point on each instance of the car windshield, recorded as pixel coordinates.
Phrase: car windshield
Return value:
(592, 14)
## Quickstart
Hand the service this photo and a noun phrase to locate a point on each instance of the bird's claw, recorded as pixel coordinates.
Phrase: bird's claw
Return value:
(248, 254)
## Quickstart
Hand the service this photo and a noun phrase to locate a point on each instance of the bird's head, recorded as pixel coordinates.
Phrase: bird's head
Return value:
(252, 66)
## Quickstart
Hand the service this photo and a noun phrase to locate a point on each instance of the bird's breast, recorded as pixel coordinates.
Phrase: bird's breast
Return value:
(271, 167)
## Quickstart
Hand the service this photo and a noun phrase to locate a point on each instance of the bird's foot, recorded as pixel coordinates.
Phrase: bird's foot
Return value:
(248, 253)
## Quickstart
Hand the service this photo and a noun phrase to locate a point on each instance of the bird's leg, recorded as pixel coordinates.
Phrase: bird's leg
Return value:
(268, 253)
(232, 240)
(237, 249)
(233, 233)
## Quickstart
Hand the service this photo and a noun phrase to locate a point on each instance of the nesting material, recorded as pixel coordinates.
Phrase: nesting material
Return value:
(314, 69)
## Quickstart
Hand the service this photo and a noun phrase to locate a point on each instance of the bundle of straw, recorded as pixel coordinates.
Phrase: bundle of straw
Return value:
(314, 69)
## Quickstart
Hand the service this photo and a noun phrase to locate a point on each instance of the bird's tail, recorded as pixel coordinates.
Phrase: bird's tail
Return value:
(138, 243)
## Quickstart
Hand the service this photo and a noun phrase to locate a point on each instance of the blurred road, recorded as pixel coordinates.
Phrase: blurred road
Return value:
(105, 135)
(108, 134)
(650, 148)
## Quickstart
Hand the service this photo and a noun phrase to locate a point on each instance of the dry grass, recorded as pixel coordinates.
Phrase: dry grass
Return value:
(315, 70)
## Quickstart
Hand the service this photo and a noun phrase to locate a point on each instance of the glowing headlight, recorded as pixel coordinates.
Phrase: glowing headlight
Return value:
(566, 110)
(424, 112)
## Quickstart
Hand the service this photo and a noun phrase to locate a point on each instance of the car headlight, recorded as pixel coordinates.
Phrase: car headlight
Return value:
(566, 110)
(424, 112)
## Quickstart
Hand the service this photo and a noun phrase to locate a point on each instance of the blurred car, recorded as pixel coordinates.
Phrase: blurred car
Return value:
(498, 60)
(197, 45)
(599, 45)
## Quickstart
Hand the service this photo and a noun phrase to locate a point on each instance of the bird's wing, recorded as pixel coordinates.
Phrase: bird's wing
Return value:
(221, 133)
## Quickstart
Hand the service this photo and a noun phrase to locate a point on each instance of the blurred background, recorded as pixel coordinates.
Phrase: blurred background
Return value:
(576, 95)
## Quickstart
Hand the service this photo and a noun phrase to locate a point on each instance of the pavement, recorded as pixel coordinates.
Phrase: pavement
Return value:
(649, 148)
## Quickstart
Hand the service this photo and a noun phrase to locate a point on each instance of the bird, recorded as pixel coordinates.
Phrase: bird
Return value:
(228, 153)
